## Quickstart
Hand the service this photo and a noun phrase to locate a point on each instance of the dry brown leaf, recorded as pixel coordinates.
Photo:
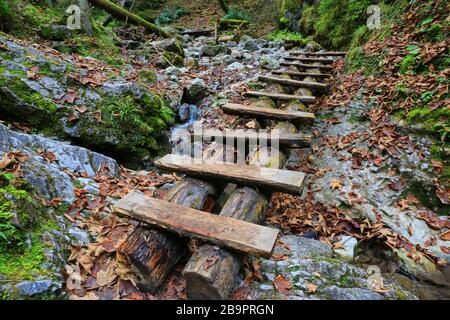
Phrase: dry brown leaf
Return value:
(311, 288)
(335, 184)
(106, 277)
(282, 284)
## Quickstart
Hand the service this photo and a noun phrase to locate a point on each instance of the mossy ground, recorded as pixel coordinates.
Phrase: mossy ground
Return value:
(23, 222)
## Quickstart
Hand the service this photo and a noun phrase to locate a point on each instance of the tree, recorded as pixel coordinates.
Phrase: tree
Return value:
(224, 6)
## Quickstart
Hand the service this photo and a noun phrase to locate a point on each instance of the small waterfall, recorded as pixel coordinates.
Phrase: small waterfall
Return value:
(178, 133)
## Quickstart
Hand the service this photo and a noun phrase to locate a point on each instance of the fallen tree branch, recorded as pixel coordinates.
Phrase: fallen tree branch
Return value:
(124, 15)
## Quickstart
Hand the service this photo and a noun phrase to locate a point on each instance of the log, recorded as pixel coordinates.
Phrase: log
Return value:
(122, 14)
(294, 116)
(295, 83)
(153, 253)
(305, 66)
(198, 32)
(221, 230)
(321, 60)
(320, 54)
(226, 23)
(302, 74)
(211, 272)
(280, 96)
(291, 140)
(248, 175)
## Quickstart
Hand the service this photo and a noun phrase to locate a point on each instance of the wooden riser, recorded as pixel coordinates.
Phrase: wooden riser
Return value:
(297, 117)
(320, 54)
(295, 83)
(305, 66)
(224, 231)
(247, 175)
(302, 74)
(284, 139)
(321, 60)
(280, 96)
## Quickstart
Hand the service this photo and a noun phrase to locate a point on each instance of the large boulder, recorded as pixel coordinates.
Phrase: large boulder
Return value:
(214, 50)
(195, 92)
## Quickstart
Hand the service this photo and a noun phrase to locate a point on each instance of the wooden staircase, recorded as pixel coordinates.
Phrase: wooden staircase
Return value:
(235, 231)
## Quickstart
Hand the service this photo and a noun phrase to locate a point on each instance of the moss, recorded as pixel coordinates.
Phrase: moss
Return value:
(173, 58)
(293, 37)
(147, 76)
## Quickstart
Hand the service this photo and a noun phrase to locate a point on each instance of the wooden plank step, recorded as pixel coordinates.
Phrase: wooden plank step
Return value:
(302, 74)
(224, 231)
(320, 54)
(247, 175)
(296, 140)
(198, 32)
(305, 66)
(322, 60)
(295, 83)
(281, 96)
(297, 117)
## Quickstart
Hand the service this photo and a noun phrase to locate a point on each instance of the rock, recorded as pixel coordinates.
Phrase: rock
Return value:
(237, 54)
(30, 288)
(235, 66)
(49, 179)
(171, 45)
(195, 92)
(214, 50)
(269, 63)
(56, 32)
(349, 243)
(248, 43)
(78, 236)
(183, 112)
(120, 88)
(309, 262)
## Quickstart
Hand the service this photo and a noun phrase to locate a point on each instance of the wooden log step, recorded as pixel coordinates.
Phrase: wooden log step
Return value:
(297, 140)
(198, 32)
(302, 74)
(295, 83)
(280, 96)
(298, 117)
(247, 175)
(305, 66)
(221, 230)
(320, 54)
(321, 60)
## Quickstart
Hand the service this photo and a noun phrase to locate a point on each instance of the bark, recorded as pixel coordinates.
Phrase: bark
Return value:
(153, 253)
(122, 14)
(224, 6)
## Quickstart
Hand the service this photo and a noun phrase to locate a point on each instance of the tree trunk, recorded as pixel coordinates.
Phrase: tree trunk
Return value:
(122, 14)
(224, 6)
(86, 24)
(153, 253)
(211, 272)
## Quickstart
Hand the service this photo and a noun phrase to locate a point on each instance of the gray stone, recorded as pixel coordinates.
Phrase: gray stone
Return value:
(214, 50)
(30, 288)
(78, 236)
(248, 43)
(235, 66)
(195, 92)
(349, 243)
(268, 62)
(120, 88)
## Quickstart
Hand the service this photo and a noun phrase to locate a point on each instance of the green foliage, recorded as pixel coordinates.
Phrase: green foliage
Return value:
(286, 35)
(237, 14)
(411, 61)
(169, 15)
(6, 15)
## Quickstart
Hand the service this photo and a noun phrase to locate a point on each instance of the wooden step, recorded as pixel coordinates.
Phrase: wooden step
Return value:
(295, 83)
(297, 117)
(305, 66)
(297, 140)
(321, 60)
(302, 74)
(281, 96)
(198, 32)
(247, 175)
(320, 54)
(223, 231)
